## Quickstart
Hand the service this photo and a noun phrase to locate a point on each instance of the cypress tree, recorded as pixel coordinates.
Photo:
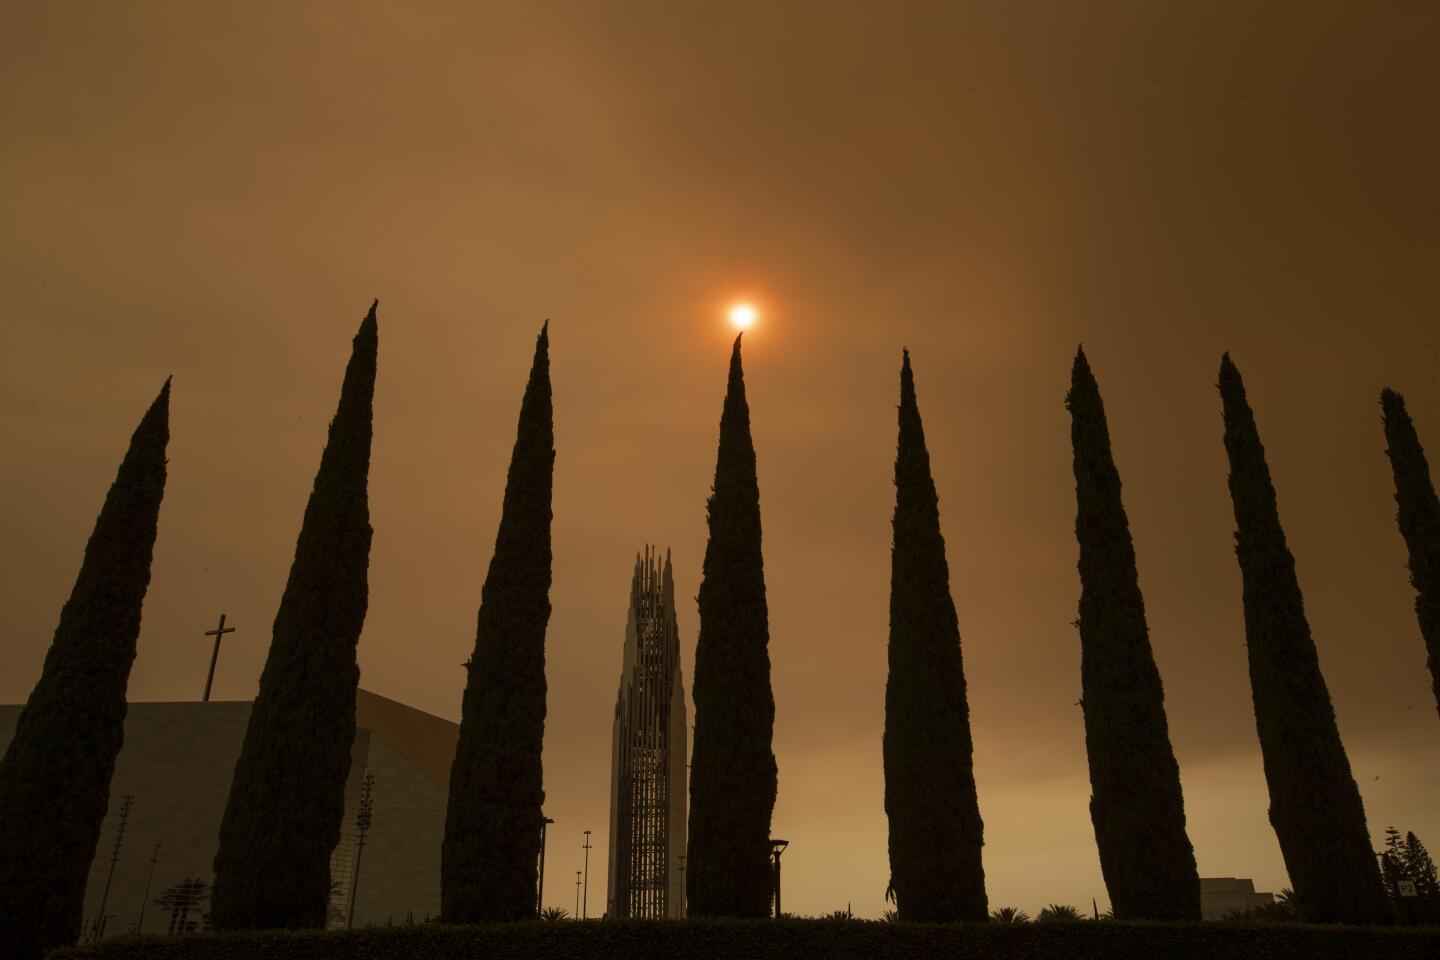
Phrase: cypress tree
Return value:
(936, 833)
(1137, 806)
(1419, 519)
(1315, 806)
(287, 798)
(732, 766)
(55, 775)
(492, 825)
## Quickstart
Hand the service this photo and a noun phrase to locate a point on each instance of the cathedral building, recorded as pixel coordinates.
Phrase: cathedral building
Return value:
(176, 765)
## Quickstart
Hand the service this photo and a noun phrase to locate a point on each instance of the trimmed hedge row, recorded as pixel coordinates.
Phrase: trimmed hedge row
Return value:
(791, 940)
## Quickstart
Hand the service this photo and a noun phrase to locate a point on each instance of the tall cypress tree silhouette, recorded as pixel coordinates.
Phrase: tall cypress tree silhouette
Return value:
(1419, 519)
(936, 833)
(55, 775)
(1136, 806)
(732, 765)
(287, 798)
(492, 825)
(1315, 805)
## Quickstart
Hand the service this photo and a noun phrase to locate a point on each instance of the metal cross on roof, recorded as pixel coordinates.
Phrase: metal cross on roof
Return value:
(217, 633)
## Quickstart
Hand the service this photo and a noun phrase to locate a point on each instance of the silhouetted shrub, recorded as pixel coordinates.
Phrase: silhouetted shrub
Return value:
(794, 940)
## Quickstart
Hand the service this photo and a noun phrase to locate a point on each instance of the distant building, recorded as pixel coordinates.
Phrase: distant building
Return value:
(648, 781)
(1222, 895)
(178, 760)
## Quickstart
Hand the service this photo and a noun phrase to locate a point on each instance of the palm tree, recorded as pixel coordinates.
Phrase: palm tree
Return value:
(1009, 915)
(1058, 913)
(180, 899)
(554, 913)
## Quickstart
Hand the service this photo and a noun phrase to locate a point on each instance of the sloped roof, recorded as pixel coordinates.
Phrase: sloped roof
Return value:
(427, 741)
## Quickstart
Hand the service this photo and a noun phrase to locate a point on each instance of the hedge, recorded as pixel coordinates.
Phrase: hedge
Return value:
(790, 940)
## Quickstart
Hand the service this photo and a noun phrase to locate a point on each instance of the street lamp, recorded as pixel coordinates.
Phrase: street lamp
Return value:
(680, 913)
(585, 909)
(540, 884)
(777, 847)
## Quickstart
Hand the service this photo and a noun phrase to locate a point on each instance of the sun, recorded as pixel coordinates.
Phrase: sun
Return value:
(743, 316)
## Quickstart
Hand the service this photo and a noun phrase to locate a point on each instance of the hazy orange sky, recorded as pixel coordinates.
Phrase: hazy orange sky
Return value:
(217, 192)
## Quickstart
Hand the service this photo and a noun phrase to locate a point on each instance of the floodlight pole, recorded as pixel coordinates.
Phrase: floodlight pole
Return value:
(540, 884)
(777, 847)
(114, 859)
(154, 859)
(585, 908)
(362, 827)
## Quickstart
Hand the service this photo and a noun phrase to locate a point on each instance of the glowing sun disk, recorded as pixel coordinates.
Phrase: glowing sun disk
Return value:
(743, 316)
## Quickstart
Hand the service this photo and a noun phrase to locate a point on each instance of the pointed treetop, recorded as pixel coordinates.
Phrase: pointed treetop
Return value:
(157, 419)
(911, 452)
(735, 387)
(364, 349)
(1083, 387)
(537, 398)
(1232, 385)
(908, 403)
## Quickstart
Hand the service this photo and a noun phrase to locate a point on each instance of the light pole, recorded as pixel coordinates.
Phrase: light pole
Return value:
(777, 847)
(154, 859)
(585, 909)
(680, 912)
(577, 895)
(114, 859)
(362, 827)
(540, 886)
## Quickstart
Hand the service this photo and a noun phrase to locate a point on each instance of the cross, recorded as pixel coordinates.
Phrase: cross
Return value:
(217, 633)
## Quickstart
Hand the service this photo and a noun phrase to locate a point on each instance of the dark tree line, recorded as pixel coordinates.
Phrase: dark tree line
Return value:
(1410, 878)
(283, 815)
